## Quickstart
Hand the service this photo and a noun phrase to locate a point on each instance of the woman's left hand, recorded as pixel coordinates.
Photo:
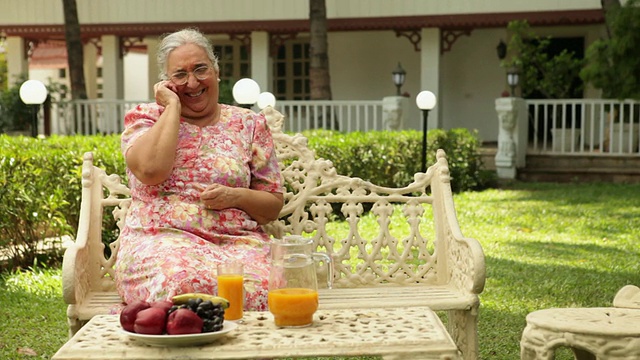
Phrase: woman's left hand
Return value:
(218, 197)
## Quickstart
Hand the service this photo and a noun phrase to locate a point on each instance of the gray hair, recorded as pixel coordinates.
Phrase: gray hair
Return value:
(182, 37)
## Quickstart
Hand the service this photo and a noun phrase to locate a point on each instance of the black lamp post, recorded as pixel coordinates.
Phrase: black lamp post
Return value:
(33, 92)
(502, 50)
(398, 78)
(513, 76)
(426, 100)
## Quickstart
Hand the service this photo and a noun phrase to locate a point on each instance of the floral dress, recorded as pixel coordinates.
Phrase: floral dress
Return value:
(171, 243)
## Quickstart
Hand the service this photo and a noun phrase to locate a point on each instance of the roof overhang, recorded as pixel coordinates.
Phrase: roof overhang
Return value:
(456, 21)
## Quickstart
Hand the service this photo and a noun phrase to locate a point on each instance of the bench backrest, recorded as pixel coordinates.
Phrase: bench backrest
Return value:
(413, 225)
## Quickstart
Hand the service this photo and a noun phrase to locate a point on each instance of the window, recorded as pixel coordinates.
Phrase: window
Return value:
(234, 61)
(291, 71)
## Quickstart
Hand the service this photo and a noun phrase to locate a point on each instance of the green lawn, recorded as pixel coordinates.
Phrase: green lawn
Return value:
(546, 245)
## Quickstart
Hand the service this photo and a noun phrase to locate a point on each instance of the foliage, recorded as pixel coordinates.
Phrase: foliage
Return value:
(3, 65)
(552, 76)
(546, 245)
(15, 115)
(613, 64)
(392, 160)
(40, 188)
(225, 93)
(40, 179)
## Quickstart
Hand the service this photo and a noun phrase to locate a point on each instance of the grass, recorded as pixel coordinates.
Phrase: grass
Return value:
(546, 245)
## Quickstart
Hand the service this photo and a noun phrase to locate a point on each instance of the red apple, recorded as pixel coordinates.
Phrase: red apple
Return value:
(151, 321)
(162, 304)
(184, 321)
(129, 313)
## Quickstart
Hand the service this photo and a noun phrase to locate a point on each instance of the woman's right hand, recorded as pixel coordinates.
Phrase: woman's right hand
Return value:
(165, 93)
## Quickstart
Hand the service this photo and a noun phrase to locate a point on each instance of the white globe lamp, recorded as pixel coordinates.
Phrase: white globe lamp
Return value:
(266, 99)
(33, 92)
(246, 91)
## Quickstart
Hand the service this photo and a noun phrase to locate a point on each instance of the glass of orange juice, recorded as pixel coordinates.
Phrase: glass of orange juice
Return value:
(230, 287)
(293, 285)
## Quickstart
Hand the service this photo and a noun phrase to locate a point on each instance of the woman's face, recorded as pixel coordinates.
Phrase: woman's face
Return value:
(199, 98)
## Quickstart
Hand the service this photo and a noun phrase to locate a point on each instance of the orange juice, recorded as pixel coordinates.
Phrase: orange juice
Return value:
(293, 306)
(230, 287)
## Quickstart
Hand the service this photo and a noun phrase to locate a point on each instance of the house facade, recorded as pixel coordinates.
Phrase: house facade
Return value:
(447, 47)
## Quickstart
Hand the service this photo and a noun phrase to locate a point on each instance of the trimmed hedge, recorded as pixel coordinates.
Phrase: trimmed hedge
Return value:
(40, 179)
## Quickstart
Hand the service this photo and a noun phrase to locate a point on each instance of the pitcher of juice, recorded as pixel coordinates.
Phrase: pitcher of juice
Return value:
(293, 282)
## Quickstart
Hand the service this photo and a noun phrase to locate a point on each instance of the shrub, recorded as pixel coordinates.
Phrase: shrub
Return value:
(40, 188)
(391, 159)
(41, 182)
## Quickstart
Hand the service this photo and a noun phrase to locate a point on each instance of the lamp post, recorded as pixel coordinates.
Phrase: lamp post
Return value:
(33, 92)
(246, 92)
(266, 99)
(501, 49)
(426, 100)
(513, 76)
(398, 76)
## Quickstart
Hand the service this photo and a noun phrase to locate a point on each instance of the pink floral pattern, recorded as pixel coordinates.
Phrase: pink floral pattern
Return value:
(170, 243)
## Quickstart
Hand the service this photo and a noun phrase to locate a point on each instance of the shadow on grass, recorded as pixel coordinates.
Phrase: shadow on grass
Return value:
(553, 275)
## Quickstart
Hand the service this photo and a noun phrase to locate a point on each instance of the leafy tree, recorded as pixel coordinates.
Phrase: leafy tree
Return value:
(613, 64)
(553, 76)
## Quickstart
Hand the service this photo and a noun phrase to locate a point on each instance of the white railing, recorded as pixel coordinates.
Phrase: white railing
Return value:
(580, 126)
(345, 116)
(90, 117)
(572, 126)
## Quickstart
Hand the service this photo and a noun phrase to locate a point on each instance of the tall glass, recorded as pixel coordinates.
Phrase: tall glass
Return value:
(231, 287)
(293, 284)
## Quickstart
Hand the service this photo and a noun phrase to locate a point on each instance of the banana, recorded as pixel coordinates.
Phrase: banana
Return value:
(184, 298)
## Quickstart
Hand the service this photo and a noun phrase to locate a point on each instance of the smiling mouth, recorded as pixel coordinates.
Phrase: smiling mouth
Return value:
(196, 94)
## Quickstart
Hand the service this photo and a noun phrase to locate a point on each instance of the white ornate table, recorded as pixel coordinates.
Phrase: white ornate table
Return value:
(394, 333)
(602, 333)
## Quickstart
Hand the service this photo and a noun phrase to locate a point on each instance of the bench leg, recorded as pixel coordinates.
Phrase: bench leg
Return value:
(463, 327)
(74, 325)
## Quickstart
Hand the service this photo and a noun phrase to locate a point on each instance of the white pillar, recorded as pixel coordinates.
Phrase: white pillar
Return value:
(260, 61)
(17, 62)
(512, 136)
(430, 71)
(112, 68)
(152, 63)
(90, 55)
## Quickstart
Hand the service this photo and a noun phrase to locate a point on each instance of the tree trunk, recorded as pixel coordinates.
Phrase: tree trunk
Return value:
(319, 77)
(609, 7)
(75, 56)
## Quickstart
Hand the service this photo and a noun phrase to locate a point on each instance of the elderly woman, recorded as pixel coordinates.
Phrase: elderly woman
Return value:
(203, 177)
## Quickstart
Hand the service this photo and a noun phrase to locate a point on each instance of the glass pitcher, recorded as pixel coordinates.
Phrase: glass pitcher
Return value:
(293, 282)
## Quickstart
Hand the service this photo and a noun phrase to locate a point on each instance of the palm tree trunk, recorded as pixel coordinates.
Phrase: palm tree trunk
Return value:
(75, 56)
(319, 77)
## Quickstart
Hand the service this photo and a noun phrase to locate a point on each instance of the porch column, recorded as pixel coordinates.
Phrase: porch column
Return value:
(430, 72)
(17, 62)
(112, 68)
(90, 54)
(260, 61)
(152, 64)
(512, 136)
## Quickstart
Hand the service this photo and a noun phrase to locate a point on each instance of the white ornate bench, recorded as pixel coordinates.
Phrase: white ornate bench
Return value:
(430, 263)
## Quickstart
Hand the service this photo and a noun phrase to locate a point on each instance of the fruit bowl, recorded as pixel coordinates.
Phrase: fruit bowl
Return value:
(182, 340)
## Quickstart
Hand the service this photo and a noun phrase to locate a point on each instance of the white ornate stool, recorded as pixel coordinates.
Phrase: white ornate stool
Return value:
(591, 333)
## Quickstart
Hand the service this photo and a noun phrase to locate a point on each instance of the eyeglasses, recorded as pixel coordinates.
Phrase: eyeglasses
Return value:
(181, 77)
